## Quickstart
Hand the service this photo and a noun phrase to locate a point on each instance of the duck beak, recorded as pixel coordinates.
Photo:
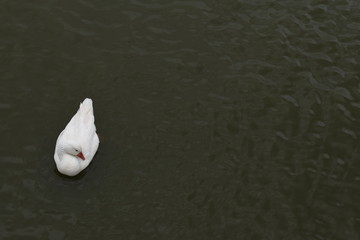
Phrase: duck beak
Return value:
(80, 155)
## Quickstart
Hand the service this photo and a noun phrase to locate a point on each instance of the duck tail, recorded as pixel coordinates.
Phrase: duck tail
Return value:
(86, 106)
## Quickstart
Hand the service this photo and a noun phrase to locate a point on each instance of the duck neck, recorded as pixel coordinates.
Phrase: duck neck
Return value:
(61, 150)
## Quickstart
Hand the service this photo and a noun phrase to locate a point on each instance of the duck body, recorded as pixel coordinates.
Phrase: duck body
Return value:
(78, 142)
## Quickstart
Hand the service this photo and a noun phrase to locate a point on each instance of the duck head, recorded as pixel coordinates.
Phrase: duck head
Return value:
(73, 149)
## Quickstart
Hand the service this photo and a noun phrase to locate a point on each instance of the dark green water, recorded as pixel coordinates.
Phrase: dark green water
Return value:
(219, 119)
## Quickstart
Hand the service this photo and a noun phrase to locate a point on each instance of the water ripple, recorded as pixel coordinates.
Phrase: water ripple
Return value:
(221, 120)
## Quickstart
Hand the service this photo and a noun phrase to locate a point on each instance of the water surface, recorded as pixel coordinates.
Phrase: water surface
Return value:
(218, 119)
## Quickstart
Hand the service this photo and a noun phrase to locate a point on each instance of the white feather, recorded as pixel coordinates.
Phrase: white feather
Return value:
(79, 134)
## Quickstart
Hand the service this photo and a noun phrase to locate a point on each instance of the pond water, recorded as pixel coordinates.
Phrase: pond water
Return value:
(218, 119)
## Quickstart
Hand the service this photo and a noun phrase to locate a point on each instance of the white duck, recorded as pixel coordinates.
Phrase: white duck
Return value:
(78, 142)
